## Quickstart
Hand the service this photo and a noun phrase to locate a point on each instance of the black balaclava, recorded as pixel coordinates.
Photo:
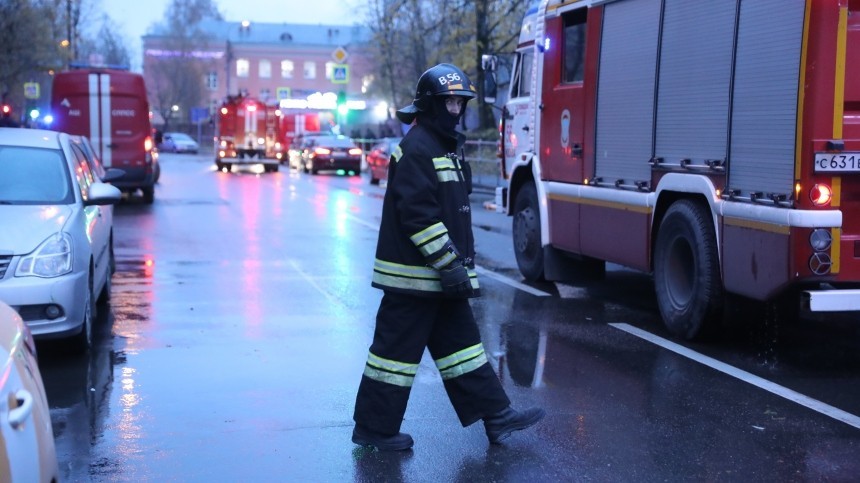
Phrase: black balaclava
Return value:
(438, 119)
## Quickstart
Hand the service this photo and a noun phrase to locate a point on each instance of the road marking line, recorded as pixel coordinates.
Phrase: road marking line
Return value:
(757, 381)
(513, 283)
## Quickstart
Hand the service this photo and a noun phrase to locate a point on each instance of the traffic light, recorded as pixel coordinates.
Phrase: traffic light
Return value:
(341, 103)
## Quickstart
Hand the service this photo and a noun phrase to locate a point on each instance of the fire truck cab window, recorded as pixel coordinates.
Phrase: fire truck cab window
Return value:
(523, 75)
(574, 46)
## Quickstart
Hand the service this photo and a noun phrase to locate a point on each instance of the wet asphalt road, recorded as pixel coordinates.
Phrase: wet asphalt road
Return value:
(239, 325)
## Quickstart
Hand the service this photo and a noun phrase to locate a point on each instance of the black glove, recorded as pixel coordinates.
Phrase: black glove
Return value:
(455, 279)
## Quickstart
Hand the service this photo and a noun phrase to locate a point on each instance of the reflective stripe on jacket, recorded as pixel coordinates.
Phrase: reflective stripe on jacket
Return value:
(426, 215)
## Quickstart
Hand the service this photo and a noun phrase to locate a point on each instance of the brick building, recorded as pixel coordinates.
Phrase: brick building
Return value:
(275, 62)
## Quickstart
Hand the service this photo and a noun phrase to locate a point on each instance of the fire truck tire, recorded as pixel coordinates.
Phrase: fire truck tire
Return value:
(526, 234)
(687, 271)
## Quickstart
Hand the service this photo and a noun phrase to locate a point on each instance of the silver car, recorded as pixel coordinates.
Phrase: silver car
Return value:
(56, 235)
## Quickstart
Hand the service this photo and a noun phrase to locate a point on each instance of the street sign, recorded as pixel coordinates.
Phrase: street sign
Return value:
(339, 55)
(199, 114)
(31, 90)
(340, 74)
(282, 93)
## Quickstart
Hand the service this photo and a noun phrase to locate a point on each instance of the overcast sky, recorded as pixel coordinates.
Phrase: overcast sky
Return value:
(135, 16)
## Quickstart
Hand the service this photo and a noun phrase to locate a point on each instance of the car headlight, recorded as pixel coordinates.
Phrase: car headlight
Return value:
(51, 259)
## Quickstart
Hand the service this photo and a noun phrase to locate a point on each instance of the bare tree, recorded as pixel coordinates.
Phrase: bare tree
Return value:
(29, 45)
(411, 35)
(178, 74)
(108, 45)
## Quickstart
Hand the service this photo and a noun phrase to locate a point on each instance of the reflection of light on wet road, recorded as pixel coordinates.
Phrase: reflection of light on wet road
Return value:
(129, 427)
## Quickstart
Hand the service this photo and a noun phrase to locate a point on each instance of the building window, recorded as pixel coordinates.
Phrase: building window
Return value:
(212, 81)
(287, 69)
(265, 69)
(310, 70)
(242, 67)
(265, 93)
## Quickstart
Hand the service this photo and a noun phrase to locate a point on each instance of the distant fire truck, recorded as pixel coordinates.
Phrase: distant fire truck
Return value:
(247, 133)
(715, 144)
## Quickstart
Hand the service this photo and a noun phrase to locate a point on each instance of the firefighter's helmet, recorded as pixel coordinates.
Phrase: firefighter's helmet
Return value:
(439, 80)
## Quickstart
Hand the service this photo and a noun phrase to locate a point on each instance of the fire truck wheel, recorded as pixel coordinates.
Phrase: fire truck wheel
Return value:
(687, 271)
(526, 233)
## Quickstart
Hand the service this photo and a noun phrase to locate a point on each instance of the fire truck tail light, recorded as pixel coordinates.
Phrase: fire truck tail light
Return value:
(147, 144)
(252, 108)
(355, 151)
(222, 154)
(261, 141)
(821, 194)
(223, 144)
(820, 239)
(224, 110)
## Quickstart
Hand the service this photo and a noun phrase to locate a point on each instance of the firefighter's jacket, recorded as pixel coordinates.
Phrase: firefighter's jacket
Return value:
(426, 215)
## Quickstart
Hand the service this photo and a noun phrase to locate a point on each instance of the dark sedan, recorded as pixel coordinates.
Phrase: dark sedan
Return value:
(332, 153)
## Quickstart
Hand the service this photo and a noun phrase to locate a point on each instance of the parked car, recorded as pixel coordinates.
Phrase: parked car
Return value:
(177, 142)
(332, 152)
(27, 451)
(56, 234)
(378, 157)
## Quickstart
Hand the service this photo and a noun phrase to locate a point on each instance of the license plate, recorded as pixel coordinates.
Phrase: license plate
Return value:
(338, 154)
(836, 162)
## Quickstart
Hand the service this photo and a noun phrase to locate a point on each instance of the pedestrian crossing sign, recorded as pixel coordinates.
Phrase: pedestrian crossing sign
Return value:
(340, 74)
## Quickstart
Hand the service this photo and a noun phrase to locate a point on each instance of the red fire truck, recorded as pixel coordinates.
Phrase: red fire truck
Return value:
(715, 144)
(247, 133)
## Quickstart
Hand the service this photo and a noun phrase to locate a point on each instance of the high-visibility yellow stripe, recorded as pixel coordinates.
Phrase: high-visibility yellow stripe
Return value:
(835, 249)
(757, 225)
(447, 176)
(388, 377)
(412, 271)
(459, 356)
(801, 89)
(397, 154)
(602, 203)
(836, 191)
(443, 163)
(839, 86)
(464, 367)
(434, 246)
(391, 365)
(428, 233)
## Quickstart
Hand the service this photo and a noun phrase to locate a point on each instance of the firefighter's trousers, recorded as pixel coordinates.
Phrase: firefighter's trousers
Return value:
(405, 325)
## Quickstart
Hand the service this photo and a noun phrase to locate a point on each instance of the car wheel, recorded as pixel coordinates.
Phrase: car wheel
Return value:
(104, 296)
(148, 194)
(687, 272)
(526, 234)
(82, 341)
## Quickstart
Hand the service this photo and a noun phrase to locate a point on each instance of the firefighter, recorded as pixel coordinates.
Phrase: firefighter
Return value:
(425, 267)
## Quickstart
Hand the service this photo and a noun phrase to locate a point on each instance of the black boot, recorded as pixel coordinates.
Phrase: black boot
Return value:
(383, 442)
(500, 425)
